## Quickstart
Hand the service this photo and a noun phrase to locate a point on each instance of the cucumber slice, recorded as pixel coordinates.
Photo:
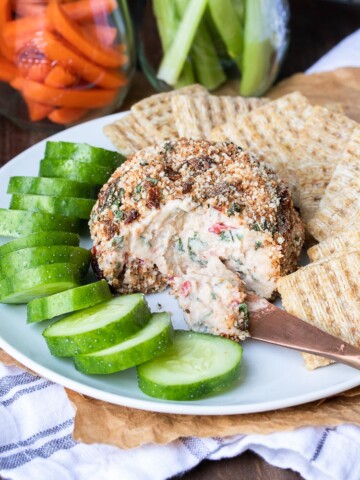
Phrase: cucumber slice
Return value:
(82, 152)
(78, 171)
(196, 365)
(50, 186)
(15, 223)
(98, 327)
(32, 257)
(67, 206)
(39, 239)
(38, 282)
(152, 340)
(69, 301)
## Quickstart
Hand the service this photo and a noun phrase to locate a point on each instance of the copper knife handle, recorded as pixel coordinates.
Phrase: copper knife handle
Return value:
(272, 325)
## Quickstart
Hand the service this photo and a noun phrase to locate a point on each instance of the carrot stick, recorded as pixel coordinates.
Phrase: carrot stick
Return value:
(94, 98)
(64, 116)
(38, 71)
(24, 26)
(58, 52)
(37, 111)
(58, 77)
(103, 34)
(18, 83)
(28, 9)
(7, 71)
(86, 10)
(107, 57)
(5, 16)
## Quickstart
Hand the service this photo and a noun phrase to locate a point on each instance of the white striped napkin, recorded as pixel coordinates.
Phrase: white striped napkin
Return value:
(36, 423)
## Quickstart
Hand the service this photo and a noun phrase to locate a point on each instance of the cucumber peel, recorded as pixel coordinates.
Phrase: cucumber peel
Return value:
(39, 239)
(15, 223)
(195, 365)
(69, 301)
(78, 171)
(97, 327)
(38, 282)
(67, 206)
(149, 342)
(26, 258)
(50, 186)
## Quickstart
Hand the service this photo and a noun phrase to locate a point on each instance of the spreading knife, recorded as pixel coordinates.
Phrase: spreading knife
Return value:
(270, 324)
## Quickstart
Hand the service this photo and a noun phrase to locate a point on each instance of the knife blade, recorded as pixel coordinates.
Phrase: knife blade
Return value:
(270, 324)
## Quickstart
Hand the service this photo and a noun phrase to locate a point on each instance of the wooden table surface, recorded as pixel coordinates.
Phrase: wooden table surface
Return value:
(316, 26)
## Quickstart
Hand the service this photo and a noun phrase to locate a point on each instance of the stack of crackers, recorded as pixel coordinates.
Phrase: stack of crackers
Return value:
(315, 149)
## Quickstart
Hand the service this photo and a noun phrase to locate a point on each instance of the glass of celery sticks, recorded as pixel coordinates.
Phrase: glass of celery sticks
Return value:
(213, 41)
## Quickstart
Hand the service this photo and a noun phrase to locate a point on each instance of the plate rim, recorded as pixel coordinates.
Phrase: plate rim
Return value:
(153, 404)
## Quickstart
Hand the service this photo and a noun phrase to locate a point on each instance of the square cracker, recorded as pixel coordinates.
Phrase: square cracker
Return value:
(154, 113)
(335, 245)
(319, 149)
(326, 294)
(339, 208)
(196, 115)
(270, 132)
(127, 135)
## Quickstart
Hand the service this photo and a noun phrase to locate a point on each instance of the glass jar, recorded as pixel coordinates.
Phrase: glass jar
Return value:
(63, 61)
(213, 41)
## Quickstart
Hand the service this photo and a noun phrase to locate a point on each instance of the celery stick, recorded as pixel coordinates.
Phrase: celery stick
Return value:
(203, 53)
(229, 27)
(258, 48)
(239, 9)
(168, 20)
(175, 58)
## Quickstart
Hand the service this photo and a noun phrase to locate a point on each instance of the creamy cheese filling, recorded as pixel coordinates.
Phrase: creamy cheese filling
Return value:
(207, 257)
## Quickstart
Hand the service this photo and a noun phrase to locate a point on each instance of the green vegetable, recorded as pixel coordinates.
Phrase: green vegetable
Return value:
(229, 27)
(78, 171)
(39, 239)
(38, 282)
(195, 365)
(69, 301)
(50, 186)
(98, 327)
(175, 57)
(149, 342)
(258, 48)
(168, 20)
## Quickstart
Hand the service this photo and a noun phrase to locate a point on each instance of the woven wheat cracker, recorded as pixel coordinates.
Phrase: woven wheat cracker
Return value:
(335, 245)
(339, 209)
(127, 135)
(271, 132)
(326, 294)
(154, 113)
(319, 149)
(196, 115)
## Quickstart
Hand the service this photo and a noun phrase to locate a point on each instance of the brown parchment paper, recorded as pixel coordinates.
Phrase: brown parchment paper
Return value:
(100, 422)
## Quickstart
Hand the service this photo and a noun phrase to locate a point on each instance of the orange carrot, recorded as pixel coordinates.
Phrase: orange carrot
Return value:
(37, 111)
(65, 116)
(24, 26)
(58, 77)
(27, 9)
(5, 16)
(18, 83)
(58, 52)
(102, 34)
(107, 57)
(38, 72)
(86, 10)
(7, 71)
(94, 98)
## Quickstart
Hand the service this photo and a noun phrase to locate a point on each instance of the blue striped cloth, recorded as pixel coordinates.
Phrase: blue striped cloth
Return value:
(36, 424)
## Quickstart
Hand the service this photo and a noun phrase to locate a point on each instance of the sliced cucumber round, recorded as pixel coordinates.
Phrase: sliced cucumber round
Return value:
(38, 282)
(82, 152)
(35, 256)
(67, 206)
(66, 302)
(78, 171)
(15, 223)
(196, 365)
(50, 186)
(149, 342)
(98, 327)
(39, 239)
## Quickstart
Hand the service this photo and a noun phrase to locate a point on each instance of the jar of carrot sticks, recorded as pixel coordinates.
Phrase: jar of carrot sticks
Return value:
(63, 61)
